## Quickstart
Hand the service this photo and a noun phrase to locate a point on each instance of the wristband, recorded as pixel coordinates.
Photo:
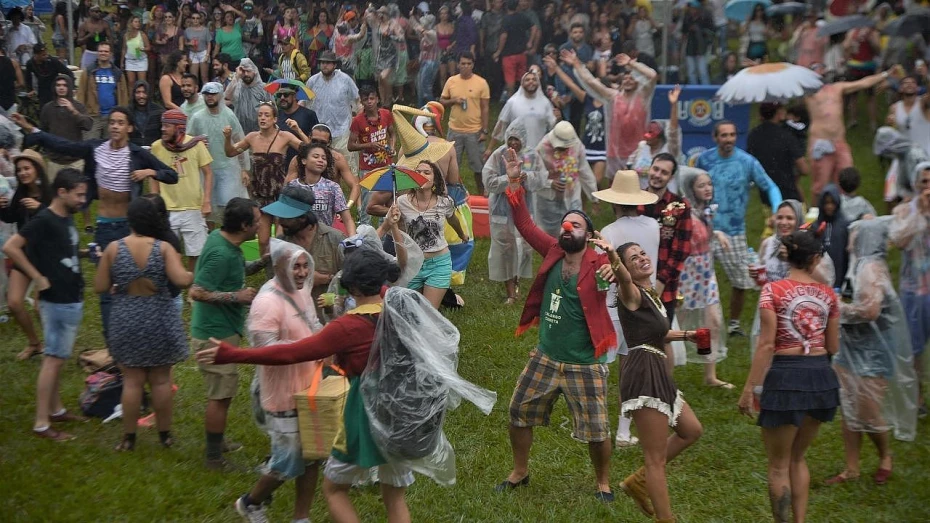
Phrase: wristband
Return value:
(350, 203)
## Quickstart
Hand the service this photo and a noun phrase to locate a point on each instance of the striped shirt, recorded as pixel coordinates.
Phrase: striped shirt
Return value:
(112, 167)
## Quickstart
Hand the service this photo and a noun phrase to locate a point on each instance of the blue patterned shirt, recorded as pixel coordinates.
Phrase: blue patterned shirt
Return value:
(731, 178)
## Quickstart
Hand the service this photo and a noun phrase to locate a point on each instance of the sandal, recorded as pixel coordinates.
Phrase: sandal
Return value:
(33, 349)
(510, 300)
(721, 385)
(842, 477)
(128, 444)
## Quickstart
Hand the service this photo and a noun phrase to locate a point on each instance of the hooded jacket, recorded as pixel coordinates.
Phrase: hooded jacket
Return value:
(87, 91)
(836, 233)
(146, 119)
(47, 74)
(60, 121)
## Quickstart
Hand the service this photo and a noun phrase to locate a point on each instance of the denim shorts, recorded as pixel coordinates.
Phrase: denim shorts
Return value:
(436, 272)
(917, 310)
(60, 322)
(287, 460)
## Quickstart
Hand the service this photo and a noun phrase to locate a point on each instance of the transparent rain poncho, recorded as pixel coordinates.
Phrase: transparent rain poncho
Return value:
(281, 313)
(366, 237)
(878, 383)
(890, 143)
(710, 315)
(411, 382)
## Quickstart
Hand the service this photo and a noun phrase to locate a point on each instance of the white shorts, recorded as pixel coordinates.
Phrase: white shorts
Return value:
(347, 474)
(191, 228)
(198, 57)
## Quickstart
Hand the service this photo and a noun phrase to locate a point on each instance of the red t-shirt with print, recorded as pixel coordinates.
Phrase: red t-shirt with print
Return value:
(803, 310)
(372, 131)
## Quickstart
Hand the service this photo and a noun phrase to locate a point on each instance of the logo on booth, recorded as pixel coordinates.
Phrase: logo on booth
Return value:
(700, 112)
(692, 154)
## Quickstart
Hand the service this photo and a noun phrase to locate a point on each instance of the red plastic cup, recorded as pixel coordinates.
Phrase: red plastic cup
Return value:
(761, 279)
(702, 339)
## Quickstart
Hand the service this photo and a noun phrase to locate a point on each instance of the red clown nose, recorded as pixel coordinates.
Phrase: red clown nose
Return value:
(567, 227)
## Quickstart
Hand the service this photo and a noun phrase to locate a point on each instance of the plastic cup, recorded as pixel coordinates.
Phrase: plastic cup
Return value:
(761, 278)
(602, 284)
(702, 339)
(329, 299)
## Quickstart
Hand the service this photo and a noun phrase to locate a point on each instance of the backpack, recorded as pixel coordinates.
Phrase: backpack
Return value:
(102, 392)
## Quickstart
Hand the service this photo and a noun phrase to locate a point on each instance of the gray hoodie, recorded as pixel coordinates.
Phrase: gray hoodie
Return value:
(58, 120)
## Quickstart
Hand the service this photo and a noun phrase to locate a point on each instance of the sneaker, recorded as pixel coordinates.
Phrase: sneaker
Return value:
(622, 443)
(54, 435)
(734, 329)
(251, 513)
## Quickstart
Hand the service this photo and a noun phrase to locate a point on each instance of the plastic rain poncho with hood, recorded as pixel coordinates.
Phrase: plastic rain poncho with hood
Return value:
(227, 172)
(412, 381)
(366, 237)
(510, 256)
(835, 236)
(535, 109)
(910, 232)
(246, 97)
(890, 143)
(282, 312)
(875, 363)
(569, 166)
(698, 283)
(777, 269)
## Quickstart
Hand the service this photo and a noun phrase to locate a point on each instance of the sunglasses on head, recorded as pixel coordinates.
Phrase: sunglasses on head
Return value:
(350, 243)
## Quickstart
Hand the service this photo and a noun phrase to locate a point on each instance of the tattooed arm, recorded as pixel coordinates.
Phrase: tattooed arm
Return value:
(198, 293)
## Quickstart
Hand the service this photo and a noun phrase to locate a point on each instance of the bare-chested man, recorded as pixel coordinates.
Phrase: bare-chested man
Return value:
(321, 133)
(119, 168)
(827, 148)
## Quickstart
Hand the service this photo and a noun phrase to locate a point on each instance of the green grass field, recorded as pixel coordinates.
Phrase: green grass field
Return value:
(720, 479)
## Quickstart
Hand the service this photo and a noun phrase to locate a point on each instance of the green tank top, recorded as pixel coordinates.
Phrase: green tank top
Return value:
(563, 331)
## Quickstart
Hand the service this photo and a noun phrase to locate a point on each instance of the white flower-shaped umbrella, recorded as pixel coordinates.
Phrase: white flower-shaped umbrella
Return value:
(774, 82)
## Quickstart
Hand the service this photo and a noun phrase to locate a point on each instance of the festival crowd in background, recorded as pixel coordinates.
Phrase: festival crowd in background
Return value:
(225, 140)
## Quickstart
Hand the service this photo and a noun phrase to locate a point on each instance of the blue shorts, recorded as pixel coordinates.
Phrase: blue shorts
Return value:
(287, 459)
(436, 272)
(917, 310)
(60, 322)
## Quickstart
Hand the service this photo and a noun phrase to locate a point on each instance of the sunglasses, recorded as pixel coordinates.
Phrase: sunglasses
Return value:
(350, 243)
(283, 95)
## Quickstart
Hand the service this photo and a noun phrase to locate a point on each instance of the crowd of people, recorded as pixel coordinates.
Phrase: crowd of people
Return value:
(200, 128)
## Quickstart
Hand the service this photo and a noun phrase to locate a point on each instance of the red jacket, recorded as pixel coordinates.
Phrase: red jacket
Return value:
(593, 302)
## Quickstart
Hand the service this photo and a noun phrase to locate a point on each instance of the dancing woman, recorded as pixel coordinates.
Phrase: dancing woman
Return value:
(800, 327)
(655, 402)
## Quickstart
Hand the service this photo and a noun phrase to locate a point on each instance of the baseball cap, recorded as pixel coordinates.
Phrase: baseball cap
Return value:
(653, 130)
(287, 207)
(212, 88)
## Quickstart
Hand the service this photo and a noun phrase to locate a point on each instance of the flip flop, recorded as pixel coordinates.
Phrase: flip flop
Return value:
(840, 478)
(722, 385)
(30, 351)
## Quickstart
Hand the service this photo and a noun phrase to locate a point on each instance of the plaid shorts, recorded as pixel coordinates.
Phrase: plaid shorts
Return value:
(584, 388)
(735, 261)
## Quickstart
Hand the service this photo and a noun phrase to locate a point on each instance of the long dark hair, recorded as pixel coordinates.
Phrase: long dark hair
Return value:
(45, 188)
(304, 151)
(148, 216)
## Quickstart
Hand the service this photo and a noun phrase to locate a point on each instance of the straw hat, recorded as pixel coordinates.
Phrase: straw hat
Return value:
(563, 135)
(33, 156)
(625, 191)
(414, 146)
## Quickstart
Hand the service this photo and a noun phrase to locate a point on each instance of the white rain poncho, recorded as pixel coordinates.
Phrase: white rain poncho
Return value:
(569, 166)
(282, 313)
(366, 237)
(246, 98)
(227, 172)
(411, 382)
(703, 311)
(890, 143)
(510, 256)
(535, 109)
(777, 269)
(875, 365)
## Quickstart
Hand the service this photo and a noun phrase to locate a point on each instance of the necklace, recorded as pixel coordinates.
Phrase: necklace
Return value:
(419, 206)
(654, 297)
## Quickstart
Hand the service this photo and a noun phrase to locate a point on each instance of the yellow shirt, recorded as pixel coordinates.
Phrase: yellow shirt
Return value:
(187, 194)
(474, 90)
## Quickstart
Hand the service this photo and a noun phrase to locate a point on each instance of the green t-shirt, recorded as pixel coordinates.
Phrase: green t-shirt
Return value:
(220, 268)
(230, 42)
(563, 332)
